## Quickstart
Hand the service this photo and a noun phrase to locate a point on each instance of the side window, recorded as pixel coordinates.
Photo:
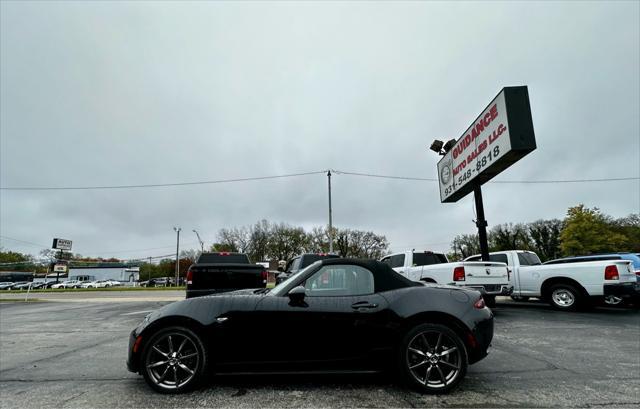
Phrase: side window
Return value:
(295, 264)
(387, 261)
(397, 261)
(340, 280)
(499, 258)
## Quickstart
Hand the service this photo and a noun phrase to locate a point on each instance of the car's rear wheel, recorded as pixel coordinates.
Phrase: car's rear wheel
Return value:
(432, 358)
(565, 297)
(613, 300)
(174, 360)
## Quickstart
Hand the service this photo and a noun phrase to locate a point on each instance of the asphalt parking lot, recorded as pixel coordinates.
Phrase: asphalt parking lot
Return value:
(71, 353)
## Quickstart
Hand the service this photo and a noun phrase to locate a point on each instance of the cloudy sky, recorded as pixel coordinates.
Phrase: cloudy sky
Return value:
(128, 93)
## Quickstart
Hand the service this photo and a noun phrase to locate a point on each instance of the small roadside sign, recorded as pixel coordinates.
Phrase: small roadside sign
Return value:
(61, 244)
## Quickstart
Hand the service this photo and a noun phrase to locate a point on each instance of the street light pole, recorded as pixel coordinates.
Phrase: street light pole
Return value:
(177, 230)
(200, 240)
(330, 220)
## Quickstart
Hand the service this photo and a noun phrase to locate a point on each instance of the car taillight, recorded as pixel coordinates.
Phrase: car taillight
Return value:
(638, 273)
(189, 276)
(223, 253)
(264, 275)
(458, 274)
(479, 304)
(611, 273)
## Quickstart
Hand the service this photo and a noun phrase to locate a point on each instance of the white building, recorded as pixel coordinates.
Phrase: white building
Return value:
(118, 272)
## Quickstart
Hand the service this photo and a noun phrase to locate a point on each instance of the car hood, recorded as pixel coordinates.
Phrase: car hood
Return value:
(205, 309)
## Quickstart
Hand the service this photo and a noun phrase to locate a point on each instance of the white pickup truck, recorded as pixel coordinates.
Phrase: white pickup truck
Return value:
(566, 286)
(490, 278)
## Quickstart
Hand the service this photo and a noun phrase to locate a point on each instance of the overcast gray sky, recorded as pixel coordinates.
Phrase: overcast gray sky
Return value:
(117, 93)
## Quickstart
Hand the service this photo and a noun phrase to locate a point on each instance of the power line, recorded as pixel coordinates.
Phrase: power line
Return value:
(25, 242)
(493, 181)
(206, 182)
(339, 172)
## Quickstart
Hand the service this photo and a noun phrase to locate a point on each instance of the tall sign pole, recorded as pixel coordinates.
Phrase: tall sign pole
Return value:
(481, 223)
(330, 220)
(177, 230)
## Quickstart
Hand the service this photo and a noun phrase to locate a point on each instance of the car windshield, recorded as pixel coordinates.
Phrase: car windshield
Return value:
(280, 288)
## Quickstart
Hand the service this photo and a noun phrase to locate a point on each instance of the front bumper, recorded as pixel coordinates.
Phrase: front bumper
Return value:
(132, 358)
(630, 289)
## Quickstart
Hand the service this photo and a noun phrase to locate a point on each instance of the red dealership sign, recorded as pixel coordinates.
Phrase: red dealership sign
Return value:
(499, 137)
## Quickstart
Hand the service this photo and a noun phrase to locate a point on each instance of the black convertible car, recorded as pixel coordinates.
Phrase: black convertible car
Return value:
(335, 315)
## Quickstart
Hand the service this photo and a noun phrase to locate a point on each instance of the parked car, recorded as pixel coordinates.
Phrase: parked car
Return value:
(68, 284)
(92, 284)
(156, 282)
(223, 271)
(22, 285)
(634, 258)
(335, 315)
(37, 285)
(6, 285)
(112, 283)
(568, 286)
(488, 277)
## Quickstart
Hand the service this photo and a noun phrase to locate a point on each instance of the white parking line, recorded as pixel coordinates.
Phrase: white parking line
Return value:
(137, 312)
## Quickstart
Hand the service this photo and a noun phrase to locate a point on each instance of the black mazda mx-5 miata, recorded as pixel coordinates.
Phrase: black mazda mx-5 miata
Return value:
(335, 315)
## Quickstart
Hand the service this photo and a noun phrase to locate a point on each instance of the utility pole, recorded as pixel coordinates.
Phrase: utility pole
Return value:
(177, 230)
(200, 240)
(149, 279)
(330, 220)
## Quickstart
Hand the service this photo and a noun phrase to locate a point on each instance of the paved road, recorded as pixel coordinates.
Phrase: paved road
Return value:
(71, 354)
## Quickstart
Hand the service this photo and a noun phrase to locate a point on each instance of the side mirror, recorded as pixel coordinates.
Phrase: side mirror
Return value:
(296, 295)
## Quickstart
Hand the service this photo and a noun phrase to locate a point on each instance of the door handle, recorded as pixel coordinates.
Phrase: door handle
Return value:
(363, 304)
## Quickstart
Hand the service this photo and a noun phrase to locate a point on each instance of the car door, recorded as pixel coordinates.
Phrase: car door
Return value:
(333, 328)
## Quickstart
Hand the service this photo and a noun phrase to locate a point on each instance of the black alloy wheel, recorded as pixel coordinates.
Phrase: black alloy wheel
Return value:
(565, 297)
(174, 360)
(433, 359)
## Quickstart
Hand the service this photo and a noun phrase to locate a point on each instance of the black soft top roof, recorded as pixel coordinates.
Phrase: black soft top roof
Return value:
(385, 278)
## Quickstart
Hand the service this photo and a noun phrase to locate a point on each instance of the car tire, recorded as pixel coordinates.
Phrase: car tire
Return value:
(490, 300)
(519, 298)
(613, 301)
(565, 297)
(165, 365)
(432, 358)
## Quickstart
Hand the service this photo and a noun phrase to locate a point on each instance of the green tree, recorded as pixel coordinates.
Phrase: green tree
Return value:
(509, 237)
(588, 231)
(545, 237)
(629, 227)
(465, 245)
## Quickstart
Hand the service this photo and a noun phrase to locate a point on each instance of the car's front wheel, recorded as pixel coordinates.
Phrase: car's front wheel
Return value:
(433, 358)
(174, 360)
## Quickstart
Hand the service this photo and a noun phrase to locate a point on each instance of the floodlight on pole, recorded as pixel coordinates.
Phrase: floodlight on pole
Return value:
(449, 145)
(436, 146)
